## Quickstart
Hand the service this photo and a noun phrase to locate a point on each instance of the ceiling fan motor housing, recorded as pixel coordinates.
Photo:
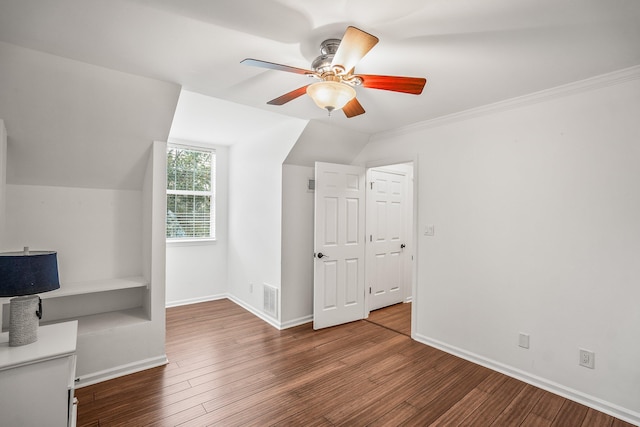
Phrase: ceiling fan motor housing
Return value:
(328, 49)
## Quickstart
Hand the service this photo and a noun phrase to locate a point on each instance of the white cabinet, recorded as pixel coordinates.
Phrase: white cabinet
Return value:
(37, 380)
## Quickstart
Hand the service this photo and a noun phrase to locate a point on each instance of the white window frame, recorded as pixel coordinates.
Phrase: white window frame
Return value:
(212, 194)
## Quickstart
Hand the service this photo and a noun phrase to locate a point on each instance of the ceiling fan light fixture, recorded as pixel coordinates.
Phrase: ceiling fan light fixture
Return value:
(335, 68)
(331, 95)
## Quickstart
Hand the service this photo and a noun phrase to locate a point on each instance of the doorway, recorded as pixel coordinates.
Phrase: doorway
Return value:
(355, 271)
(389, 257)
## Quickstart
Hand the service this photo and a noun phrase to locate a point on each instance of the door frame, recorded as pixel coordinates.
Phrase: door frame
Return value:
(389, 161)
(406, 172)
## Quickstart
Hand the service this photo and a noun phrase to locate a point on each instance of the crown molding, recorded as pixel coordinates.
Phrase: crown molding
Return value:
(592, 83)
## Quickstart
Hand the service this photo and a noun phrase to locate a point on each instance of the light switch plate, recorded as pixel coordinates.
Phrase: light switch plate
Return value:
(429, 230)
(523, 340)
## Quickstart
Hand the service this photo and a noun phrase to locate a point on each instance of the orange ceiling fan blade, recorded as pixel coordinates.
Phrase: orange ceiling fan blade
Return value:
(353, 108)
(274, 66)
(412, 85)
(354, 46)
(289, 96)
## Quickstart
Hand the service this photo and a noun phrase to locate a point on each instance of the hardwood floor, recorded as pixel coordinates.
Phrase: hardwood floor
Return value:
(395, 317)
(229, 368)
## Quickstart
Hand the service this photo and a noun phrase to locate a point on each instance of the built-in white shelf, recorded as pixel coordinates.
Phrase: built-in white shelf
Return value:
(109, 320)
(117, 316)
(94, 286)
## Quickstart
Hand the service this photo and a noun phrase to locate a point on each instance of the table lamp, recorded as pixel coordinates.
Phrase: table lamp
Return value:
(22, 275)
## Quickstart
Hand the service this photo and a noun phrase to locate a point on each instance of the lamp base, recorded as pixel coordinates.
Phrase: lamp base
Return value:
(23, 320)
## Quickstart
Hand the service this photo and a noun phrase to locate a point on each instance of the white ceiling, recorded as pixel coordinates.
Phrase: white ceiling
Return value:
(472, 52)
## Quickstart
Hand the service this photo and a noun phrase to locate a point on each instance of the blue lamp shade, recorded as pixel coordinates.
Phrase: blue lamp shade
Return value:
(28, 273)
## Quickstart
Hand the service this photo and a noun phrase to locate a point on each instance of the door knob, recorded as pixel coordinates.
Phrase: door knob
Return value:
(402, 246)
(321, 255)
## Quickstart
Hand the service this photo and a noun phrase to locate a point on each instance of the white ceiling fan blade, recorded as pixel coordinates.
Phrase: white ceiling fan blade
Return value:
(354, 46)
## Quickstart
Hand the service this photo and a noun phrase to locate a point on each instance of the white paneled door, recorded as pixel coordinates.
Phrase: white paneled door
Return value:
(339, 291)
(386, 217)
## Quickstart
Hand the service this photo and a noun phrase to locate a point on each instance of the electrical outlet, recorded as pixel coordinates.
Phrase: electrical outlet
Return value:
(523, 340)
(587, 358)
(251, 288)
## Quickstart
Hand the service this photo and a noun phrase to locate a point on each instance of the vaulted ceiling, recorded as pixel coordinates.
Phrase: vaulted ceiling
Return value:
(472, 52)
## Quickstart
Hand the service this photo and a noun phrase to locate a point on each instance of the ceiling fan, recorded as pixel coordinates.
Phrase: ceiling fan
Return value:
(335, 68)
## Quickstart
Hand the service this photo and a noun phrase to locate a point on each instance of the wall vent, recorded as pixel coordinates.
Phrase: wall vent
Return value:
(270, 303)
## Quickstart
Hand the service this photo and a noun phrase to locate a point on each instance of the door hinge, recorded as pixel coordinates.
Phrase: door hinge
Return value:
(371, 184)
(371, 237)
(369, 290)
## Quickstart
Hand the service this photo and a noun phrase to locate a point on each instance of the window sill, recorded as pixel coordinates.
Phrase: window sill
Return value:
(191, 242)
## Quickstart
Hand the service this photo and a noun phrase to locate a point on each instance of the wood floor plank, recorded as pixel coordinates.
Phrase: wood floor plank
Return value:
(501, 393)
(394, 417)
(571, 412)
(447, 396)
(620, 423)
(520, 407)
(471, 401)
(548, 406)
(391, 393)
(168, 419)
(229, 368)
(534, 420)
(462, 408)
(596, 419)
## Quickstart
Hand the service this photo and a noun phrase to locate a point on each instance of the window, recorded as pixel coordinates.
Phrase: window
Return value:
(190, 193)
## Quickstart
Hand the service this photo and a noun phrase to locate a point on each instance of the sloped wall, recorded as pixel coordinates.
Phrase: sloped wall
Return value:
(320, 142)
(72, 124)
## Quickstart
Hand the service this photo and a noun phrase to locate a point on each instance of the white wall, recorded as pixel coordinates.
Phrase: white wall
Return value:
(536, 230)
(255, 211)
(197, 271)
(3, 179)
(97, 233)
(297, 245)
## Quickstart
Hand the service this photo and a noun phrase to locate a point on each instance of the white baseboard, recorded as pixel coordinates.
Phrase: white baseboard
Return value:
(119, 371)
(194, 300)
(270, 320)
(550, 386)
(297, 322)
